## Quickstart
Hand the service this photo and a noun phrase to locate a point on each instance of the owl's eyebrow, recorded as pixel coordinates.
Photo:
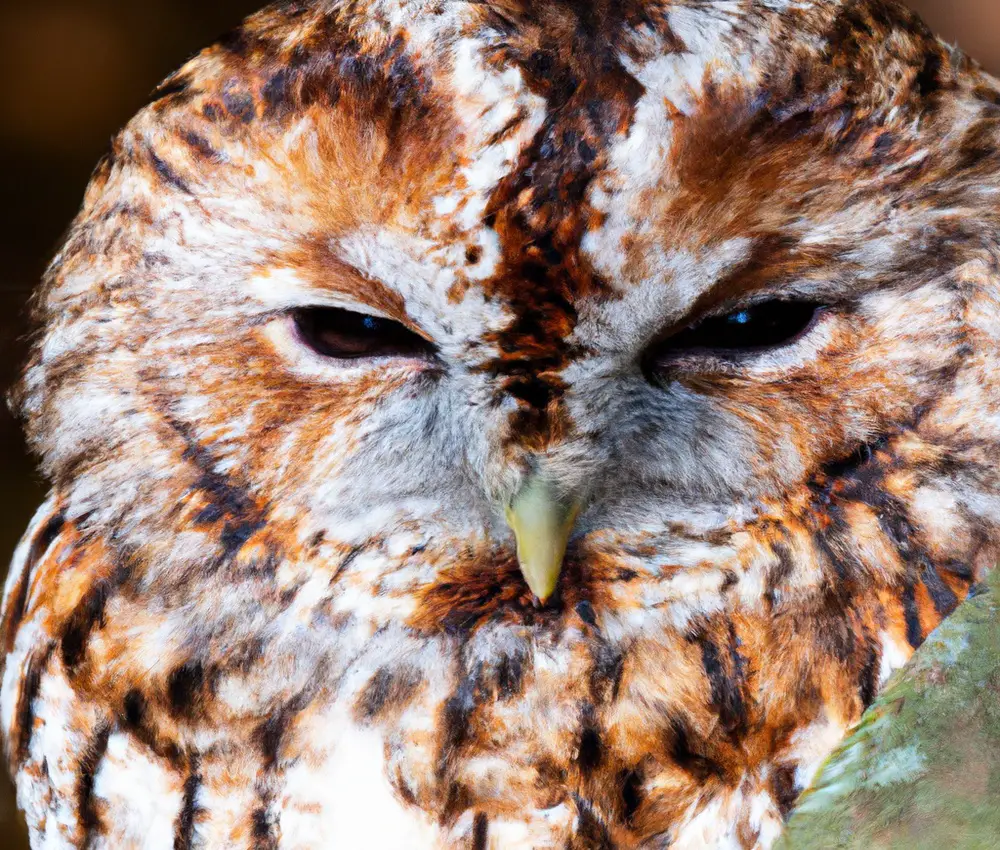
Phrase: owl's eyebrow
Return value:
(773, 258)
(317, 269)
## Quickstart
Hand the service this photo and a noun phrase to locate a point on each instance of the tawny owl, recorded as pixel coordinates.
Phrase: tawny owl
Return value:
(505, 424)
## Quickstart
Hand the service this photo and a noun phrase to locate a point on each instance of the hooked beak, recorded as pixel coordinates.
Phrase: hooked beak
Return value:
(541, 521)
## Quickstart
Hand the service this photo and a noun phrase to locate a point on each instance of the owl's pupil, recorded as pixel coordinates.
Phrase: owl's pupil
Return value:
(345, 334)
(768, 325)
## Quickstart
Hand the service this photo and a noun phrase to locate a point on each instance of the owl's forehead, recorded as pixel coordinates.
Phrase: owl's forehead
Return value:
(555, 161)
(561, 130)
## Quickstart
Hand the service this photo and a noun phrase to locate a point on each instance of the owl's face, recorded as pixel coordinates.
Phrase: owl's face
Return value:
(722, 279)
(672, 271)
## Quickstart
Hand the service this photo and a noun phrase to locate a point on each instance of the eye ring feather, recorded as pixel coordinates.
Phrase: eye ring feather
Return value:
(340, 334)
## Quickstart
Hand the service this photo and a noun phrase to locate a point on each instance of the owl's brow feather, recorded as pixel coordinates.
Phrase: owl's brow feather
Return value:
(315, 262)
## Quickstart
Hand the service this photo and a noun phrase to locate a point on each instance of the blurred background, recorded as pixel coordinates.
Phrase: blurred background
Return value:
(73, 73)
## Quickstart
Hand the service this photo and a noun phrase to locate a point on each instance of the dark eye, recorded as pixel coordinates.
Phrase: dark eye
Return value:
(770, 324)
(333, 332)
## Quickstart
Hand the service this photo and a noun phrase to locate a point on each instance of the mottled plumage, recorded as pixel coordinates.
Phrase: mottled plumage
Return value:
(273, 600)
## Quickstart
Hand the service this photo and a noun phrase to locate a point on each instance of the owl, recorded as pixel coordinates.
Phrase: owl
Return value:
(504, 424)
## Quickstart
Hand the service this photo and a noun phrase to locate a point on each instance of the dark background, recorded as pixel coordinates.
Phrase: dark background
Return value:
(71, 73)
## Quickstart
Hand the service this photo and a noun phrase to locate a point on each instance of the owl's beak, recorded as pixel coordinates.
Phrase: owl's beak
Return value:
(541, 521)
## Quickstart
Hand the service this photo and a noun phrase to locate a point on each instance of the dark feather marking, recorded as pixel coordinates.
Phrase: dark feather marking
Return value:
(316, 541)
(976, 149)
(236, 533)
(944, 598)
(928, 80)
(962, 571)
(866, 476)
(274, 92)
(868, 680)
(591, 832)
(457, 712)
(388, 688)
(590, 752)
(88, 614)
(783, 788)
(347, 560)
(457, 801)
(208, 515)
(270, 737)
(858, 467)
(243, 517)
(184, 828)
(585, 610)
(726, 687)
(835, 543)
(631, 785)
(172, 86)
(606, 674)
(90, 761)
(510, 673)
(777, 576)
(167, 174)
(239, 103)
(686, 756)
(24, 724)
(19, 595)
(480, 831)
(265, 820)
(834, 632)
(896, 526)
(264, 825)
(184, 688)
(830, 552)
(914, 632)
(134, 707)
(987, 94)
(135, 717)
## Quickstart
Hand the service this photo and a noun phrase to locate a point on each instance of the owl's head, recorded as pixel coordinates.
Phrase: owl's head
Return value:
(687, 289)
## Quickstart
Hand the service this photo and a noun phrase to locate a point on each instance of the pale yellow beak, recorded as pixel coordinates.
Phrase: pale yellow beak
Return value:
(541, 521)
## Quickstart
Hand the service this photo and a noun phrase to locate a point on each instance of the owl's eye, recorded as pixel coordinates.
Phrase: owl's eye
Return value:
(347, 335)
(770, 324)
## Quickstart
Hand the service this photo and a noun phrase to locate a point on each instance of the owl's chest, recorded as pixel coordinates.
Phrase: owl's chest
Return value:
(632, 721)
(577, 741)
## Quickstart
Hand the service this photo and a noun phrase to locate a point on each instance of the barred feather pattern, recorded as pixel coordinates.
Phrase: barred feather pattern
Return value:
(272, 601)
